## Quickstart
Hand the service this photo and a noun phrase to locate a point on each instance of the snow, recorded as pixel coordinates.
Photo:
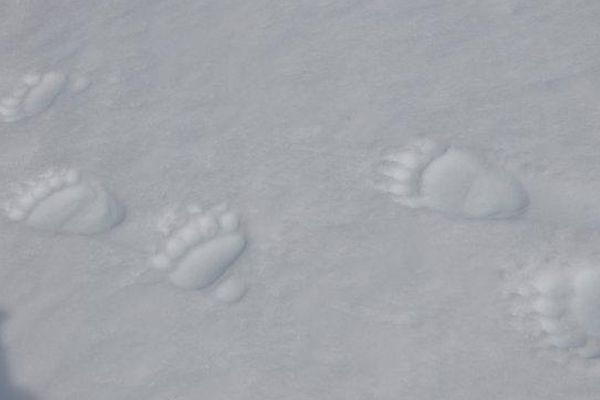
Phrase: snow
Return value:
(283, 109)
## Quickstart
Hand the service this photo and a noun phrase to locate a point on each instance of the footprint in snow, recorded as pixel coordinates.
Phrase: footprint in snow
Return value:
(199, 247)
(453, 181)
(36, 93)
(560, 303)
(64, 201)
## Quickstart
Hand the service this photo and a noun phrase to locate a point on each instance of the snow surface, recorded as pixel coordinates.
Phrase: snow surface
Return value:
(282, 109)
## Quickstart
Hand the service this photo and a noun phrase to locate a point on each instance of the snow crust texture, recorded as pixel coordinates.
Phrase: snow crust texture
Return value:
(64, 201)
(456, 182)
(199, 247)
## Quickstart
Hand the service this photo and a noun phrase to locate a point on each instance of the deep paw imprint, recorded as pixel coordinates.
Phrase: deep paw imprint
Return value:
(456, 182)
(199, 247)
(36, 93)
(32, 96)
(567, 304)
(64, 201)
(560, 303)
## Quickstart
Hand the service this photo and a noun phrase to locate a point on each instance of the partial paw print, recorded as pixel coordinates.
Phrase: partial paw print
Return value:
(559, 302)
(430, 174)
(65, 201)
(405, 168)
(199, 247)
(36, 93)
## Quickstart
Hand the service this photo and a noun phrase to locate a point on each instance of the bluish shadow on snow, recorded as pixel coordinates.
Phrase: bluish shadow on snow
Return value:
(8, 390)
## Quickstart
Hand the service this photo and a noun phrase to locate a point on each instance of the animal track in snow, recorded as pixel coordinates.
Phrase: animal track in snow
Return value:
(36, 93)
(561, 304)
(456, 182)
(64, 201)
(199, 247)
(231, 291)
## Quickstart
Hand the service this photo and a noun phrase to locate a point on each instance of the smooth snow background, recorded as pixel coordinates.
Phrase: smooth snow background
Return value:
(281, 108)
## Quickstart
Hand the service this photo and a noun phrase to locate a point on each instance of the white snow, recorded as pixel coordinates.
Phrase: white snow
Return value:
(283, 108)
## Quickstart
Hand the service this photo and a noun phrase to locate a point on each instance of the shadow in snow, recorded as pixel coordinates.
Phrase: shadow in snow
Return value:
(8, 390)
